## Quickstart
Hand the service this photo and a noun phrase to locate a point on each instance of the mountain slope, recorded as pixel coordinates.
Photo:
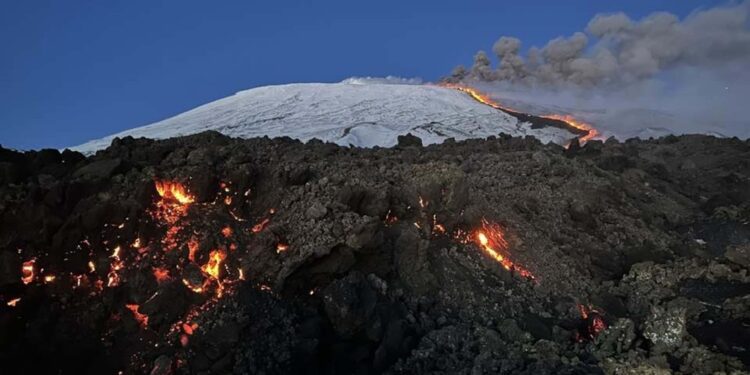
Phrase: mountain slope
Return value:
(364, 115)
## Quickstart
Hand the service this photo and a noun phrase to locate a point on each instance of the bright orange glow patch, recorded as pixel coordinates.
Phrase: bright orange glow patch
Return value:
(437, 228)
(13, 302)
(49, 278)
(213, 266)
(189, 328)
(161, 274)
(477, 95)
(192, 248)
(491, 238)
(172, 190)
(195, 289)
(28, 273)
(141, 318)
(226, 232)
(580, 125)
(113, 279)
(281, 247)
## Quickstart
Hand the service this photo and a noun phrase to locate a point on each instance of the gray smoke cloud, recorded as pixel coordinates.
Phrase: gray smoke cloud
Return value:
(648, 77)
(616, 50)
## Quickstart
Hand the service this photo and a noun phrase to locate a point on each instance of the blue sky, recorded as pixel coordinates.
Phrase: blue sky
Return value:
(71, 71)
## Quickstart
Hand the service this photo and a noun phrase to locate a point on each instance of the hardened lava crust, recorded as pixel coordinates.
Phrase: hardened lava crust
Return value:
(212, 255)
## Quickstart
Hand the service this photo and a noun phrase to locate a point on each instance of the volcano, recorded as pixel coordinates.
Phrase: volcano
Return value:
(350, 113)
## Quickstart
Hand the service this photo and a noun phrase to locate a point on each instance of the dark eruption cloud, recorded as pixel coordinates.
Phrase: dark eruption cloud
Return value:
(693, 71)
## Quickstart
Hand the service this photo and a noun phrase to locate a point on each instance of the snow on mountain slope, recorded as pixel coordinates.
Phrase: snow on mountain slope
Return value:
(348, 113)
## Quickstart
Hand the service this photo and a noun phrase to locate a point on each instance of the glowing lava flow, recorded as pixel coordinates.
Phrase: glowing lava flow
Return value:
(173, 206)
(174, 191)
(212, 268)
(571, 121)
(477, 95)
(591, 132)
(491, 239)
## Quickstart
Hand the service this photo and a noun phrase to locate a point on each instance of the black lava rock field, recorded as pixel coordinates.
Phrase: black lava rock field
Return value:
(211, 255)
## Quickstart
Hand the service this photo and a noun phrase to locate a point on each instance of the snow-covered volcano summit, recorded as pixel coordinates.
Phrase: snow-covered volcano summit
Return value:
(347, 113)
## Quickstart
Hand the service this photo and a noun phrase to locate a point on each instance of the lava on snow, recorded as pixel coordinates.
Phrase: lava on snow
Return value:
(586, 131)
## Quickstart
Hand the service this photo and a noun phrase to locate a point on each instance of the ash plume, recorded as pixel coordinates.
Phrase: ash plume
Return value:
(615, 50)
(631, 78)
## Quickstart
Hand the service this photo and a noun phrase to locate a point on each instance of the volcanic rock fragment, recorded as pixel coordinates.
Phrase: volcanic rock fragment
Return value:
(739, 255)
(412, 263)
(665, 328)
(101, 169)
(349, 302)
(617, 338)
(409, 140)
(316, 211)
(167, 304)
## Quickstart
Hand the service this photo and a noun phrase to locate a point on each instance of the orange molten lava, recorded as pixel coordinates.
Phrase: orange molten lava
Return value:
(491, 238)
(226, 232)
(281, 247)
(113, 279)
(213, 266)
(485, 99)
(437, 228)
(192, 248)
(27, 271)
(141, 318)
(174, 191)
(570, 120)
(161, 274)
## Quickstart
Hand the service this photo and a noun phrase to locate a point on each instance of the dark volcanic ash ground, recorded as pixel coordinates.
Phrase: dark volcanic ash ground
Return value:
(260, 256)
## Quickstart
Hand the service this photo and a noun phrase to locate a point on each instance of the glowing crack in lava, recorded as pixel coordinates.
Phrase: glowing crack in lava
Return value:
(491, 238)
(591, 132)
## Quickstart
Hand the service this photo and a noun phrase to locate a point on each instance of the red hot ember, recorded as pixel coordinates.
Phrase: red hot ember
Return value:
(594, 323)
